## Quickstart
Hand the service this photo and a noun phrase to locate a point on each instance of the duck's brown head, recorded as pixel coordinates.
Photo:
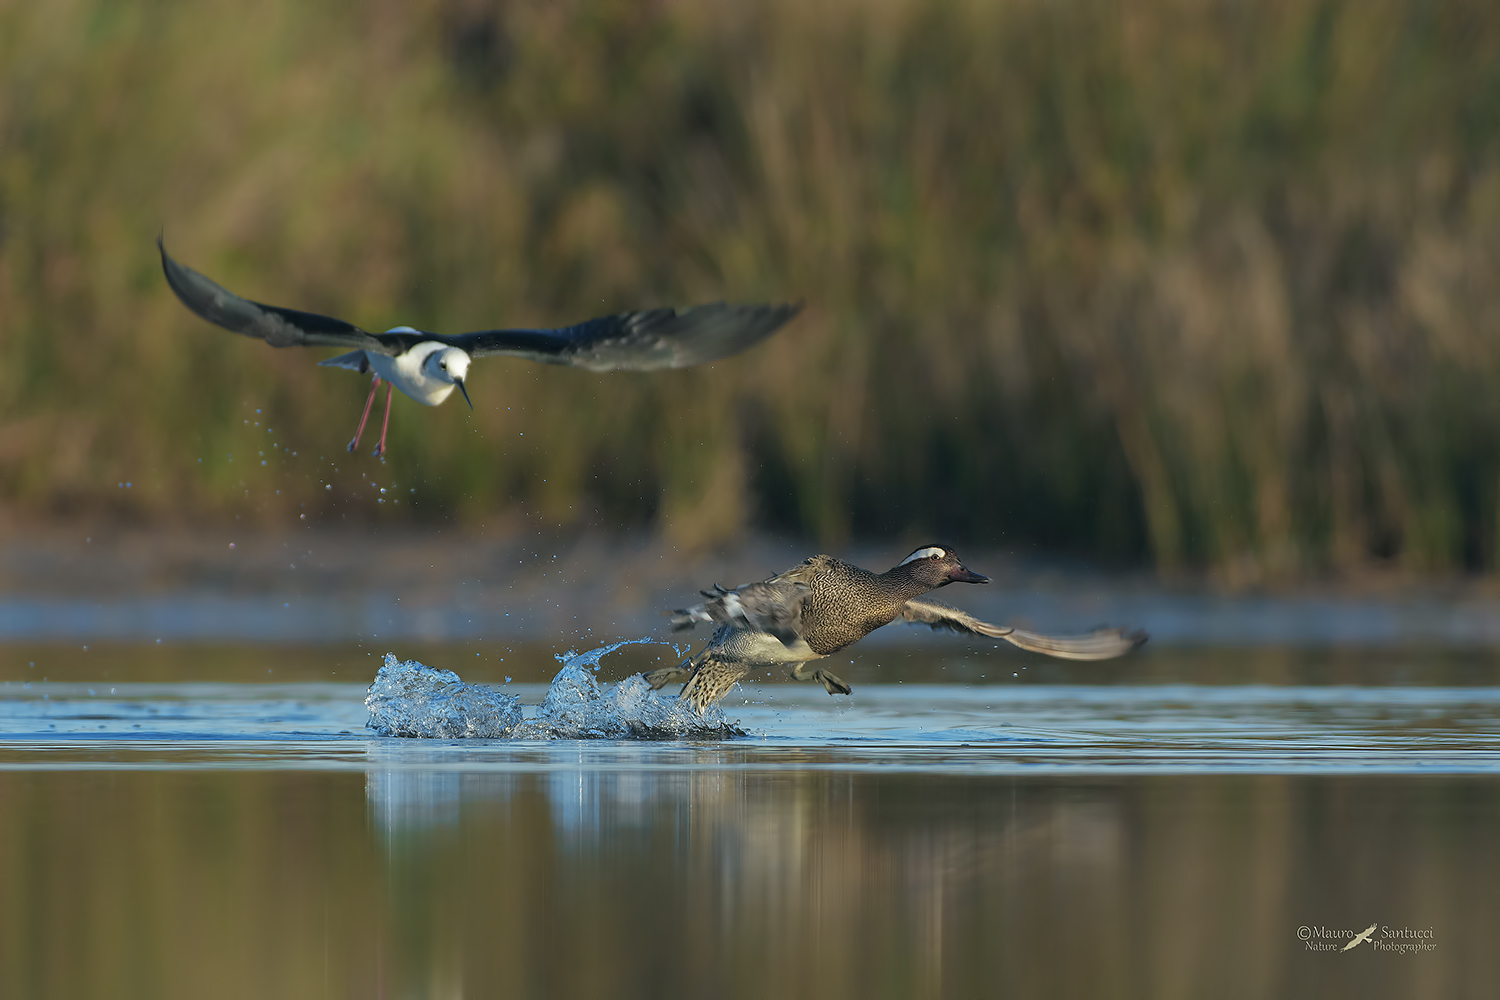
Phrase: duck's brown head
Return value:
(938, 566)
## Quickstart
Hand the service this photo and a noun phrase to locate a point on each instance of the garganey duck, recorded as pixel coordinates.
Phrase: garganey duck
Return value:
(824, 604)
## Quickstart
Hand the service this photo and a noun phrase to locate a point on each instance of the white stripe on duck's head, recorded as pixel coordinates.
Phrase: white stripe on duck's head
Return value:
(940, 566)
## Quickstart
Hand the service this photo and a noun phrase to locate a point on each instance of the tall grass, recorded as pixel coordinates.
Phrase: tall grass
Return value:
(1204, 284)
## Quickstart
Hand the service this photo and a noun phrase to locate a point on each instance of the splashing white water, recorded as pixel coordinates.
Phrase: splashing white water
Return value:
(412, 699)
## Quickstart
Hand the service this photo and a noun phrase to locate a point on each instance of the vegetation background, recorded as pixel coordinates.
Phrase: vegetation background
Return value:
(1204, 285)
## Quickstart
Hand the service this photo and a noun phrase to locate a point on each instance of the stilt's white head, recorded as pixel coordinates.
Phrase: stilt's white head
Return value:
(450, 364)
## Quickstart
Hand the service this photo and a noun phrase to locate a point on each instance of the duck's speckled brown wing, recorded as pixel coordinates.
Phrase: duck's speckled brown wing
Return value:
(773, 606)
(1102, 644)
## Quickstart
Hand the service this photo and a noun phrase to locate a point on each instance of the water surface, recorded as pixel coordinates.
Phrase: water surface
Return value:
(923, 728)
(947, 835)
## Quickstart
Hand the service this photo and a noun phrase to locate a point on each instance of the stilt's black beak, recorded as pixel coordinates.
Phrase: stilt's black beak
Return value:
(460, 383)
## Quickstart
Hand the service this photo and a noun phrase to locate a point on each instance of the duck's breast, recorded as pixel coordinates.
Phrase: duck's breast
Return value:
(843, 607)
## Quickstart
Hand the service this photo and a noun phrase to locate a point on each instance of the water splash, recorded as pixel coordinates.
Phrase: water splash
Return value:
(411, 699)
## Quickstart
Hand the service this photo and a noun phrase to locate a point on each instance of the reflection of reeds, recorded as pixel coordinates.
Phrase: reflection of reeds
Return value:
(1208, 284)
(738, 881)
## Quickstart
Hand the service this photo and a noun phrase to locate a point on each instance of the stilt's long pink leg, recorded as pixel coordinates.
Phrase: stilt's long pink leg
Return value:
(389, 392)
(361, 429)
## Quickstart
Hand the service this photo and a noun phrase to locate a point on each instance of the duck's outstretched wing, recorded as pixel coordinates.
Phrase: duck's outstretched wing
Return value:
(773, 606)
(1103, 644)
(637, 341)
(276, 326)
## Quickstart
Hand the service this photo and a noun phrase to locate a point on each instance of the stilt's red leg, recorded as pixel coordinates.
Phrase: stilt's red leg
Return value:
(361, 429)
(385, 426)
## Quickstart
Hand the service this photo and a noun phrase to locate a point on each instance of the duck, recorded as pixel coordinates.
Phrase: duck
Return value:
(428, 367)
(824, 604)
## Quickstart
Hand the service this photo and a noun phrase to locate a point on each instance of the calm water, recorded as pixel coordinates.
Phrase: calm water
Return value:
(1038, 837)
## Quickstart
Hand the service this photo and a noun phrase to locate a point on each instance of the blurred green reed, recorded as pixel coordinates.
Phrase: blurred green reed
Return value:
(1203, 284)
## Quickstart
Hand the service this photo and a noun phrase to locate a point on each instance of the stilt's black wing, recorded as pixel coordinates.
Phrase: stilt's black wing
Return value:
(276, 326)
(637, 341)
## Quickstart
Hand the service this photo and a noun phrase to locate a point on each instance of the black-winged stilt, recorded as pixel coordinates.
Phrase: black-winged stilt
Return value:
(428, 366)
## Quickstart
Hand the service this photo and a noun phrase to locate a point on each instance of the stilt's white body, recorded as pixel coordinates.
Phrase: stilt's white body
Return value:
(428, 373)
(407, 372)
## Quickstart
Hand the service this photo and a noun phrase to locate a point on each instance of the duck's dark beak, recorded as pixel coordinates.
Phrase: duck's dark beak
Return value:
(460, 383)
(964, 575)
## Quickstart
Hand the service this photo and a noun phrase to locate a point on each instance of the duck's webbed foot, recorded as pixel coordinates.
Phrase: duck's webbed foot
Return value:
(679, 674)
(834, 685)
